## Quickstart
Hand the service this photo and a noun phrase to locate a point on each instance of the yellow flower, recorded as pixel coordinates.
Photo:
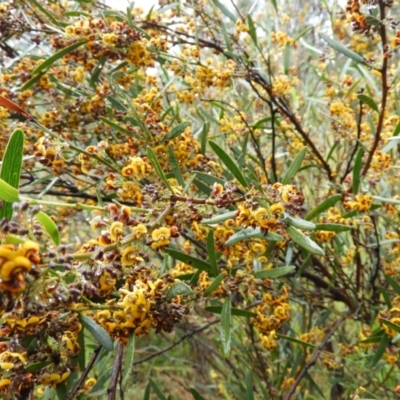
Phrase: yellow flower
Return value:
(116, 231)
(277, 209)
(130, 257)
(4, 383)
(139, 231)
(161, 234)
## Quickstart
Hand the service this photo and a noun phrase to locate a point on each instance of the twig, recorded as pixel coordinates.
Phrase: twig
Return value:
(314, 358)
(112, 388)
(385, 87)
(85, 373)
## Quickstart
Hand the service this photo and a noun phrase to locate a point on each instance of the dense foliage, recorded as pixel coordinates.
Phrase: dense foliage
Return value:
(200, 200)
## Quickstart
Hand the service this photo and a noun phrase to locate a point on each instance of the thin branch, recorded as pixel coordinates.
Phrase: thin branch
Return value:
(314, 358)
(112, 388)
(85, 373)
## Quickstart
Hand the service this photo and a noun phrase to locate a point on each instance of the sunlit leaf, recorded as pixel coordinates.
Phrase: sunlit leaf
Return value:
(97, 331)
(294, 167)
(274, 272)
(322, 207)
(214, 284)
(49, 226)
(304, 241)
(189, 260)
(178, 289)
(226, 326)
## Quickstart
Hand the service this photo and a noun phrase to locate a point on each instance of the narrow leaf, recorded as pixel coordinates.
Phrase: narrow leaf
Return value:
(342, 49)
(219, 218)
(215, 284)
(196, 395)
(128, 378)
(295, 340)
(368, 101)
(212, 256)
(97, 331)
(178, 289)
(393, 283)
(226, 325)
(234, 311)
(10, 172)
(304, 241)
(229, 163)
(117, 127)
(49, 226)
(249, 233)
(357, 170)
(325, 205)
(252, 29)
(332, 227)
(299, 223)
(176, 131)
(175, 166)
(381, 349)
(294, 166)
(225, 11)
(157, 167)
(274, 272)
(8, 193)
(51, 60)
(189, 260)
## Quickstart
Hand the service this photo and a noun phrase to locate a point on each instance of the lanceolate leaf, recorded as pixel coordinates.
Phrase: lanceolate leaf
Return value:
(219, 218)
(274, 272)
(51, 60)
(178, 289)
(332, 227)
(299, 223)
(128, 377)
(294, 166)
(189, 260)
(342, 49)
(226, 326)
(304, 241)
(158, 169)
(357, 170)
(249, 233)
(215, 284)
(225, 11)
(212, 256)
(325, 205)
(252, 29)
(8, 193)
(10, 172)
(97, 331)
(229, 163)
(49, 226)
(368, 101)
(234, 311)
(177, 130)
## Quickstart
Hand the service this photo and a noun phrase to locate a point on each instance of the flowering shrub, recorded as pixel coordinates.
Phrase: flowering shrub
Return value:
(200, 200)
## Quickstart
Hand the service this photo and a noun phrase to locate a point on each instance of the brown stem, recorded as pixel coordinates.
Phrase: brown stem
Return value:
(385, 88)
(85, 373)
(313, 359)
(112, 388)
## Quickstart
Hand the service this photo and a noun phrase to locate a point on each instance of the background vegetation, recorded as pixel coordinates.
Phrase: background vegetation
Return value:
(201, 201)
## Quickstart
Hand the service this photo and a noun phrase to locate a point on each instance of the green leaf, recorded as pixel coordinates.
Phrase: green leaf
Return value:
(178, 289)
(175, 167)
(394, 140)
(295, 340)
(97, 71)
(8, 193)
(225, 11)
(274, 272)
(10, 172)
(157, 167)
(357, 170)
(219, 218)
(393, 283)
(298, 222)
(226, 325)
(229, 163)
(47, 13)
(214, 284)
(294, 166)
(128, 378)
(39, 365)
(101, 381)
(61, 391)
(286, 59)
(391, 325)
(381, 348)
(147, 392)
(212, 255)
(117, 127)
(342, 49)
(325, 205)
(31, 82)
(249, 386)
(49, 226)
(97, 331)
(157, 390)
(51, 60)
(368, 101)
(332, 227)
(189, 260)
(196, 395)
(386, 200)
(237, 312)
(386, 297)
(82, 352)
(176, 131)
(304, 241)
(252, 29)
(249, 233)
